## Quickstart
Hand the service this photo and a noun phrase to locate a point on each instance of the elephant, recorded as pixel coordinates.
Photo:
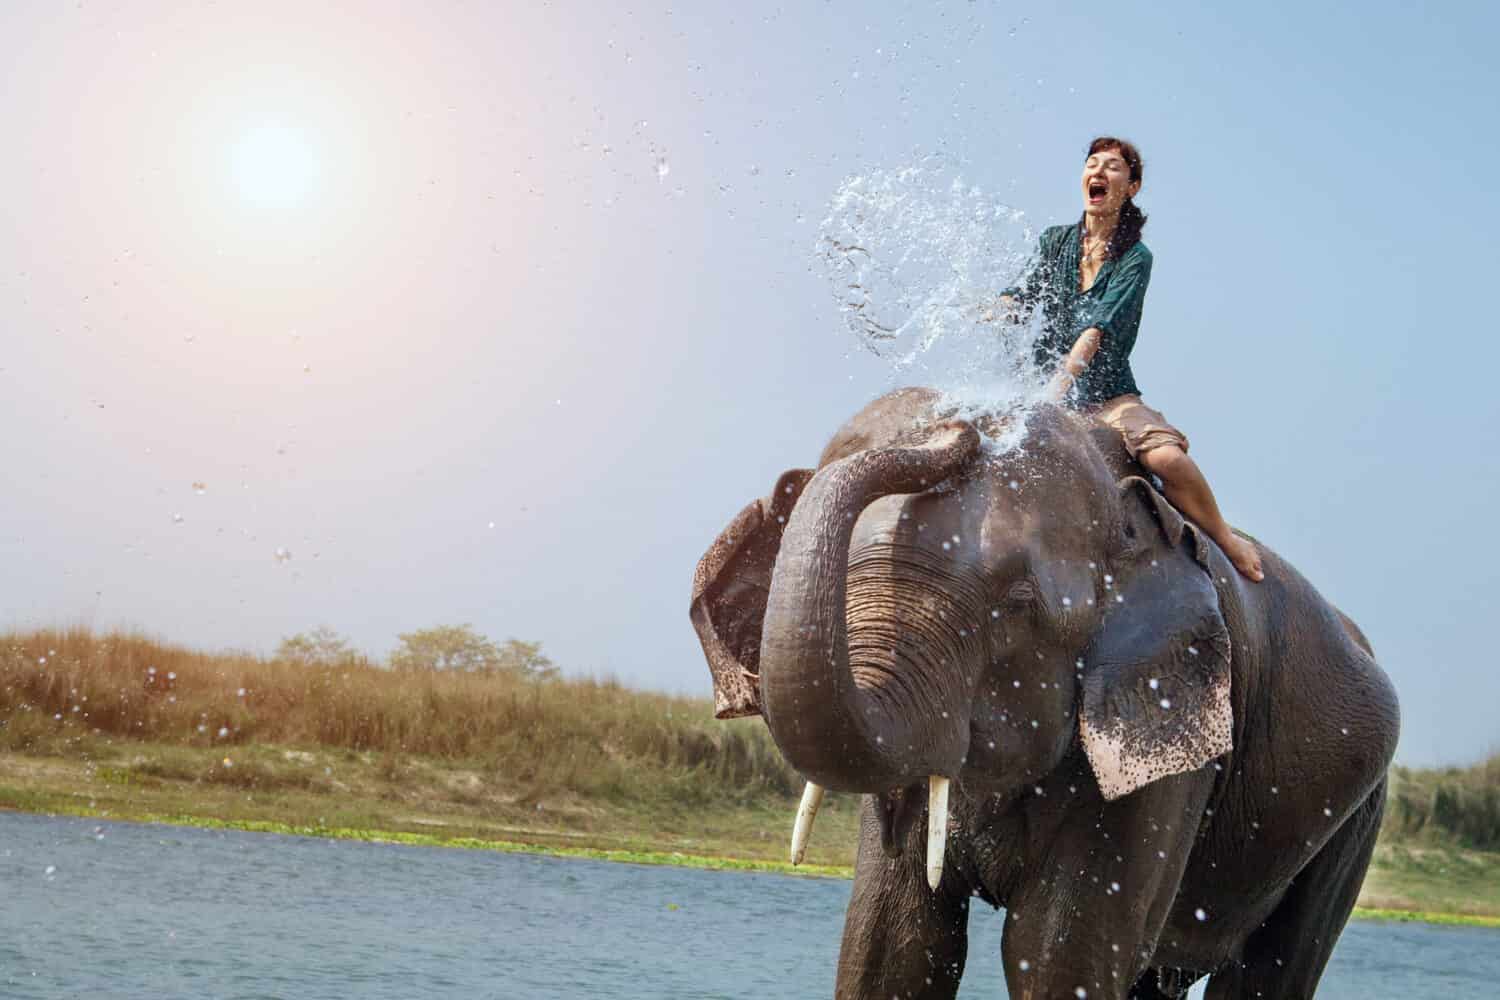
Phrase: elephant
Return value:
(1055, 695)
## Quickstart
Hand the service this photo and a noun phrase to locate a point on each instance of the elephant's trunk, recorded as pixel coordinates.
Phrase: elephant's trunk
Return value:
(848, 732)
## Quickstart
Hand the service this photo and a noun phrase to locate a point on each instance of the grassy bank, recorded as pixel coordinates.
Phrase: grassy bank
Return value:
(128, 728)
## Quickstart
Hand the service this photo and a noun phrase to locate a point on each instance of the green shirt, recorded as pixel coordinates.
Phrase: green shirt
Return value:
(1113, 303)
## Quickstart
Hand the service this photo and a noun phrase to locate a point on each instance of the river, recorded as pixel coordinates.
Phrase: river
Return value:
(118, 910)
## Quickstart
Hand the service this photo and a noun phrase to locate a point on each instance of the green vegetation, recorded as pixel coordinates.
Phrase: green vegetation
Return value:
(1455, 806)
(505, 756)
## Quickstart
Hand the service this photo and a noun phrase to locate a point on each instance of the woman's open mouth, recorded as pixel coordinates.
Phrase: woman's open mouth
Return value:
(1097, 192)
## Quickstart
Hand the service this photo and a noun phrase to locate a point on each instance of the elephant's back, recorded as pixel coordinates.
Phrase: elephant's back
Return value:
(1355, 632)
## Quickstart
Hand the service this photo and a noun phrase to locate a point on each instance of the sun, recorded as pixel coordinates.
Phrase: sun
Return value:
(275, 165)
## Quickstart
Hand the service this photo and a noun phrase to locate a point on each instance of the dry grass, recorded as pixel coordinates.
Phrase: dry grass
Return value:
(595, 738)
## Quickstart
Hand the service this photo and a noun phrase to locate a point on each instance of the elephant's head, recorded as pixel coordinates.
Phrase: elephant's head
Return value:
(923, 608)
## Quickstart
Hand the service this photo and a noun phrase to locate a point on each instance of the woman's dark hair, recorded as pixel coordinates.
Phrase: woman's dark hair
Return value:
(1132, 220)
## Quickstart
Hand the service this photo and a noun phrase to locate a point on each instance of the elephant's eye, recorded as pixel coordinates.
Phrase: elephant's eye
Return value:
(1021, 592)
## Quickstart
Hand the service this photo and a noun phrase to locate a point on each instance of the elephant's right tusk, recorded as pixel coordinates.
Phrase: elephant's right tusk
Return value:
(812, 797)
(937, 828)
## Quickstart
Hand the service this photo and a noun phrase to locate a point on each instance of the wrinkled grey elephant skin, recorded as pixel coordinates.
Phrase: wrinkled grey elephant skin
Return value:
(1160, 770)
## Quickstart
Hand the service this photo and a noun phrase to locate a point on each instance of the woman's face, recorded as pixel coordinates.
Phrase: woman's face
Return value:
(1107, 183)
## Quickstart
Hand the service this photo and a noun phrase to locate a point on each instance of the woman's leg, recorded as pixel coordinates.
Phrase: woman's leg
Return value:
(1189, 493)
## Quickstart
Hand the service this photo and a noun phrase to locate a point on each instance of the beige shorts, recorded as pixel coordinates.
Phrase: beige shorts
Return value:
(1142, 427)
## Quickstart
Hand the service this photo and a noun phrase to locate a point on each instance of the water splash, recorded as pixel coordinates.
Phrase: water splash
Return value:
(916, 258)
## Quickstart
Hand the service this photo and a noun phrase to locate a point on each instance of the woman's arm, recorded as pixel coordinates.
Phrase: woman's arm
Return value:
(1084, 349)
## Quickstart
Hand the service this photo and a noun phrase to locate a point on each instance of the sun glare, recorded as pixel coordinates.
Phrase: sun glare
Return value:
(274, 165)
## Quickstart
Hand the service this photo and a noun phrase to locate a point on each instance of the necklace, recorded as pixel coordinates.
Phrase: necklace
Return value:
(1101, 244)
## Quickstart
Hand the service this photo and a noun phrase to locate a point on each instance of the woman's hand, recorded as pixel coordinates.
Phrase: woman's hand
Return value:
(1059, 386)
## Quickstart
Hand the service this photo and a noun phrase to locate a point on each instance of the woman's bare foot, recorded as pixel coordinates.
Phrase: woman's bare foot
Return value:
(1245, 556)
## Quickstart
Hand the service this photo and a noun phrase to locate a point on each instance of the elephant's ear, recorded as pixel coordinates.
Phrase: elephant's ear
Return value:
(1156, 679)
(730, 588)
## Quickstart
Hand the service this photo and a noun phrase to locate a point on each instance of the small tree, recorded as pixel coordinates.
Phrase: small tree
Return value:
(459, 647)
(322, 647)
(445, 647)
(527, 659)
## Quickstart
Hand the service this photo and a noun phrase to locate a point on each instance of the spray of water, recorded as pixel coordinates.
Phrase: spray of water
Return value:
(916, 258)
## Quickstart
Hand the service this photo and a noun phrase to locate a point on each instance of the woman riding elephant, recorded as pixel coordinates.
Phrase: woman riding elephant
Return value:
(1090, 281)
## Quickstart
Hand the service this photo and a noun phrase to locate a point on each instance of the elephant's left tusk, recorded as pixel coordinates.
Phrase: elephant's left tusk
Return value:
(812, 797)
(937, 828)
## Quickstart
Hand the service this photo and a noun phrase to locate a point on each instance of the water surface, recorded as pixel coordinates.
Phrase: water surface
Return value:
(106, 910)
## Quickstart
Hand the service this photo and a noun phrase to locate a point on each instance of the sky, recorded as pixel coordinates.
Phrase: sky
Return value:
(381, 316)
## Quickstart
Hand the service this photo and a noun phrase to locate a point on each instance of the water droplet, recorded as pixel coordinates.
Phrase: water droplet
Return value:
(1327, 811)
(1079, 991)
(1201, 914)
(1114, 887)
(1067, 602)
(283, 555)
(223, 731)
(663, 168)
(1023, 965)
(241, 692)
(1166, 703)
(176, 518)
(200, 488)
(1154, 683)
